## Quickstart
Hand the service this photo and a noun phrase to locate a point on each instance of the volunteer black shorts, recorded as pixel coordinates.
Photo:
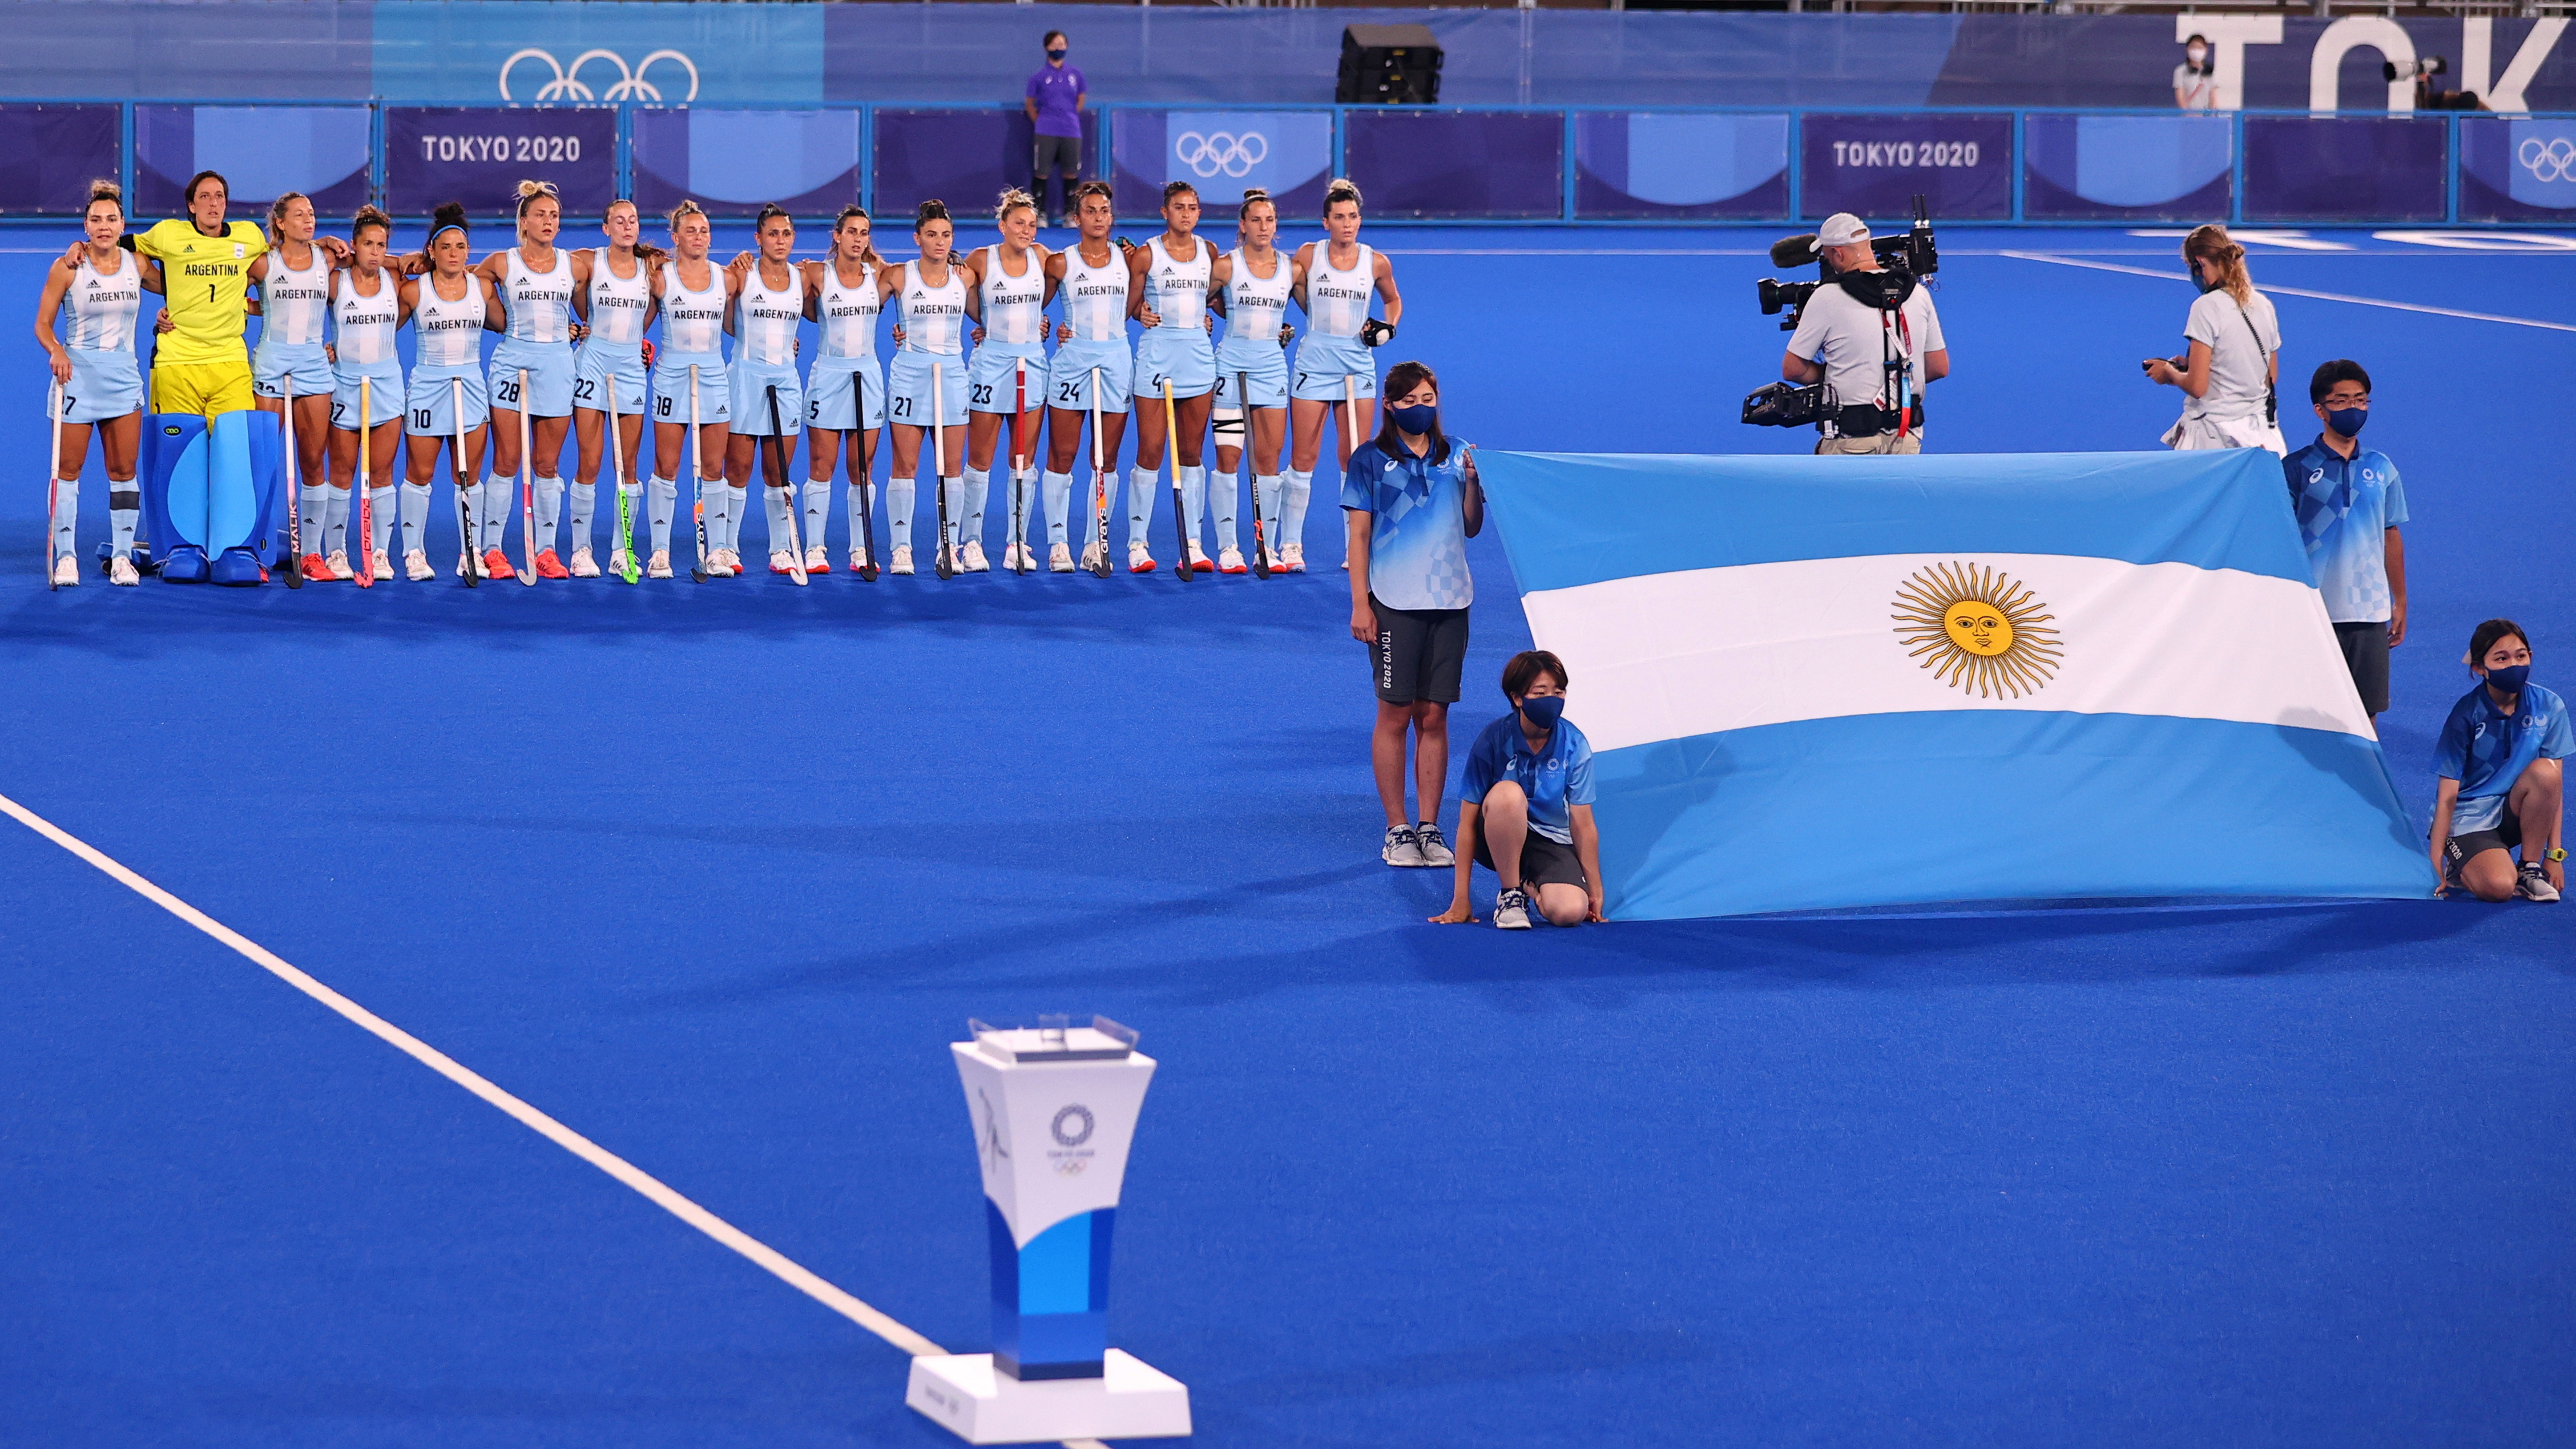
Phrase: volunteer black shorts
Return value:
(2457, 851)
(2365, 653)
(1543, 862)
(1418, 653)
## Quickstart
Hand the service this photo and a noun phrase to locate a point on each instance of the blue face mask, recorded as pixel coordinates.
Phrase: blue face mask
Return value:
(1057, 54)
(1543, 711)
(2347, 421)
(1416, 419)
(2508, 681)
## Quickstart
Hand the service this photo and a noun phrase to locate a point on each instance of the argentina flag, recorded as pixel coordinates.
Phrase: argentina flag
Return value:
(1869, 681)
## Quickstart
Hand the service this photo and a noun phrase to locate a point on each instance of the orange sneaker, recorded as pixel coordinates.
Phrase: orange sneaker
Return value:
(551, 567)
(497, 565)
(315, 566)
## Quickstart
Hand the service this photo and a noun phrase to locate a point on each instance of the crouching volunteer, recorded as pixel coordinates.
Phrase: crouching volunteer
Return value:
(1412, 502)
(1525, 806)
(2502, 782)
(1873, 336)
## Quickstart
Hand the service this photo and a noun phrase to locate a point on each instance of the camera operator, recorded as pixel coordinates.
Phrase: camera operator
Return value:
(1874, 338)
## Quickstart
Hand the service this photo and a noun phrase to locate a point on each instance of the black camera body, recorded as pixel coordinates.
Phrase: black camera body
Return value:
(1902, 259)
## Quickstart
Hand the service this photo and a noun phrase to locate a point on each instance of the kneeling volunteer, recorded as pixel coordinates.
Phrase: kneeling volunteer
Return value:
(1874, 336)
(1525, 806)
(2502, 783)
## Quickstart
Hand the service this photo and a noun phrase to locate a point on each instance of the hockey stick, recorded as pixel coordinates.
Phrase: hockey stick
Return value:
(366, 574)
(294, 487)
(527, 490)
(1351, 435)
(943, 565)
(465, 509)
(775, 447)
(697, 480)
(1019, 498)
(1260, 542)
(866, 480)
(617, 480)
(1099, 484)
(1180, 517)
(53, 480)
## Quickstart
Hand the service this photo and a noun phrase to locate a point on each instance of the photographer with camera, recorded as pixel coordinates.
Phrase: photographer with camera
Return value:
(1870, 334)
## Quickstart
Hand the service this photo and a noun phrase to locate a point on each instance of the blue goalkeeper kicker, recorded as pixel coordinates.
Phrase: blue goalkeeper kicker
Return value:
(1874, 681)
(173, 473)
(241, 471)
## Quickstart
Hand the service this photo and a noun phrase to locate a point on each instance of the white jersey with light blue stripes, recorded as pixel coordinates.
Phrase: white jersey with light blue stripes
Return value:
(765, 319)
(692, 322)
(619, 305)
(539, 303)
(1095, 298)
(1177, 291)
(850, 313)
(363, 326)
(449, 334)
(1014, 307)
(934, 318)
(292, 303)
(1255, 307)
(1337, 300)
(103, 306)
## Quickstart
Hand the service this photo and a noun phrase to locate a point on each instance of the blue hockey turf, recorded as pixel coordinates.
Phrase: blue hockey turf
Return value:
(712, 873)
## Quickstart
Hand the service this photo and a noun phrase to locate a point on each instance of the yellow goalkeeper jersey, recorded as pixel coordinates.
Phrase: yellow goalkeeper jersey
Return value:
(205, 279)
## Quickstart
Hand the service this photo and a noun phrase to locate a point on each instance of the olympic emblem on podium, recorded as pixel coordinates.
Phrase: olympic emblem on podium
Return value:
(2551, 159)
(568, 85)
(1224, 151)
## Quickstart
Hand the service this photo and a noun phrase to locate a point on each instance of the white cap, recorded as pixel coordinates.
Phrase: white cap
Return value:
(1841, 229)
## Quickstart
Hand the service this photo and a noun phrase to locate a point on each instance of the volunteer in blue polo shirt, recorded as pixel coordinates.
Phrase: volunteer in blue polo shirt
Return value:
(1525, 806)
(1411, 499)
(1054, 101)
(2501, 781)
(2349, 502)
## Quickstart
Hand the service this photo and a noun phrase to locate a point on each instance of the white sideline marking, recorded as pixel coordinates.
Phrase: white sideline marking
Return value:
(795, 1275)
(2302, 292)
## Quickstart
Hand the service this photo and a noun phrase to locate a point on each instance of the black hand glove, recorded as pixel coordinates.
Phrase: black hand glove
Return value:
(1373, 332)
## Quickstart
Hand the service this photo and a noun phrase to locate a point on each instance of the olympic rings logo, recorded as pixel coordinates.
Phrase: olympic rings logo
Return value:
(1225, 151)
(2551, 160)
(567, 85)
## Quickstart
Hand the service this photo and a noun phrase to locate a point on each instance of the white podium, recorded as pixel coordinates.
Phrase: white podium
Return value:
(1054, 1107)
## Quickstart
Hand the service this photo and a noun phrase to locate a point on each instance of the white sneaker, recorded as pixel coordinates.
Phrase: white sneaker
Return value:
(1090, 556)
(659, 565)
(583, 565)
(1402, 848)
(1276, 566)
(818, 559)
(972, 558)
(1140, 559)
(1293, 558)
(380, 566)
(617, 562)
(1229, 561)
(67, 571)
(1511, 909)
(2534, 884)
(120, 571)
(781, 561)
(901, 562)
(858, 560)
(339, 562)
(1059, 559)
(731, 559)
(1199, 560)
(1434, 846)
(416, 566)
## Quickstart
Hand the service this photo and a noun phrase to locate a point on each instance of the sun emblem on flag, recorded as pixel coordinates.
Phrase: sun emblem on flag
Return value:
(1976, 630)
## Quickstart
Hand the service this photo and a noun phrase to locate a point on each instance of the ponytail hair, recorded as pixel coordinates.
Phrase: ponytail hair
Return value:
(769, 209)
(687, 207)
(1403, 378)
(277, 214)
(2212, 244)
(1340, 189)
(529, 191)
(369, 216)
(1013, 198)
(1178, 188)
(930, 211)
(1255, 196)
(107, 191)
(449, 214)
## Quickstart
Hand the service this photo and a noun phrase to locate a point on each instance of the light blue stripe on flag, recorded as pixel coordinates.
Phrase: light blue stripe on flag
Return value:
(1580, 518)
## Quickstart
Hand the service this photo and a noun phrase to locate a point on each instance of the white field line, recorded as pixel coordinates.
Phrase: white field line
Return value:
(2301, 292)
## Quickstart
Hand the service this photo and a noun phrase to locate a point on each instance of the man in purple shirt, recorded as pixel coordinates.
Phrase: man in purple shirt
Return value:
(1055, 111)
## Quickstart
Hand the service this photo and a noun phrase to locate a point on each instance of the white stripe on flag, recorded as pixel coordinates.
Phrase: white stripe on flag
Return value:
(1669, 656)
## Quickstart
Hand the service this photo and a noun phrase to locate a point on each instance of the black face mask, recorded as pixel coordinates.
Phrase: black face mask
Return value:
(1055, 55)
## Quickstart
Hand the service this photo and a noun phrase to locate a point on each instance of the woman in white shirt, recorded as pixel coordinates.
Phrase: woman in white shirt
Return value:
(2195, 82)
(2233, 355)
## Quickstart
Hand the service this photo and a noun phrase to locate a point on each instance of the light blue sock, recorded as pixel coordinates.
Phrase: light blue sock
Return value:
(1141, 486)
(124, 510)
(818, 511)
(1059, 496)
(955, 489)
(335, 522)
(550, 492)
(977, 489)
(902, 496)
(415, 515)
(662, 500)
(1194, 495)
(66, 513)
(737, 508)
(313, 516)
(779, 502)
(498, 497)
(380, 521)
(585, 503)
(1267, 490)
(1295, 489)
